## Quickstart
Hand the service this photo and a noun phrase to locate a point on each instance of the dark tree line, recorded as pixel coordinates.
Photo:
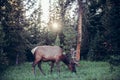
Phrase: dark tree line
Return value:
(102, 30)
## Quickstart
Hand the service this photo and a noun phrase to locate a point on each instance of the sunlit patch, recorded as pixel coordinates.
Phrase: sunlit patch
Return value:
(55, 26)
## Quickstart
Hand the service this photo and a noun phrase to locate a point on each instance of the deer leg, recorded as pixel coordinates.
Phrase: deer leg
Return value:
(58, 66)
(39, 66)
(33, 65)
(52, 65)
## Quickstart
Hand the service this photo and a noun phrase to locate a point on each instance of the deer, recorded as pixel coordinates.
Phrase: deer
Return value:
(53, 54)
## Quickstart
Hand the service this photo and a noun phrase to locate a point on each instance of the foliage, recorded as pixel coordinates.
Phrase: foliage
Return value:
(103, 30)
(3, 58)
(57, 41)
(111, 23)
(12, 21)
(69, 38)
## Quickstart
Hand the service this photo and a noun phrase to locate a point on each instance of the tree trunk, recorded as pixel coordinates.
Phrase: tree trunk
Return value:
(79, 35)
(17, 60)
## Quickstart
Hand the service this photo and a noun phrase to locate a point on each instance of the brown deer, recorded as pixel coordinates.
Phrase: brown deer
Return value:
(53, 54)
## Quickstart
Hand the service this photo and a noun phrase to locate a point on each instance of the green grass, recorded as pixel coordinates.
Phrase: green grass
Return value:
(86, 71)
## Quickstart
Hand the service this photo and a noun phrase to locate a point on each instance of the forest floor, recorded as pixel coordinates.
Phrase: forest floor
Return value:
(86, 71)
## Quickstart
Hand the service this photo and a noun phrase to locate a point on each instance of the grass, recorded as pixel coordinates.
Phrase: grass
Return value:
(86, 71)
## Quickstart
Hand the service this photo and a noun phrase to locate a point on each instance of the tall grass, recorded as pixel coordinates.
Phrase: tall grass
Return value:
(86, 71)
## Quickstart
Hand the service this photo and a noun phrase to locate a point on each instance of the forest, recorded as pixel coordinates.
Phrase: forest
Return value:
(90, 27)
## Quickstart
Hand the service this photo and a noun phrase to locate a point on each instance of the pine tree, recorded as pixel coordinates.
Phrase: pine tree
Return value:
(111, 21)
(3, 56)
(12, 22)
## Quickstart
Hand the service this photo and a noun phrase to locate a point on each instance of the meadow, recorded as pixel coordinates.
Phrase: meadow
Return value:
(85, 71)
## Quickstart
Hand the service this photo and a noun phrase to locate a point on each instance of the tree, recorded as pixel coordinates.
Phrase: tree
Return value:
(103, 30)
(13, 22)
(95, 30)
(79, 35)
(110, 22)
(3, 57)
(68, 24)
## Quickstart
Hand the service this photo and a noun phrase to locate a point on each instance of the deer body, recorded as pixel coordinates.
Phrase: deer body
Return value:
(49, 53)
